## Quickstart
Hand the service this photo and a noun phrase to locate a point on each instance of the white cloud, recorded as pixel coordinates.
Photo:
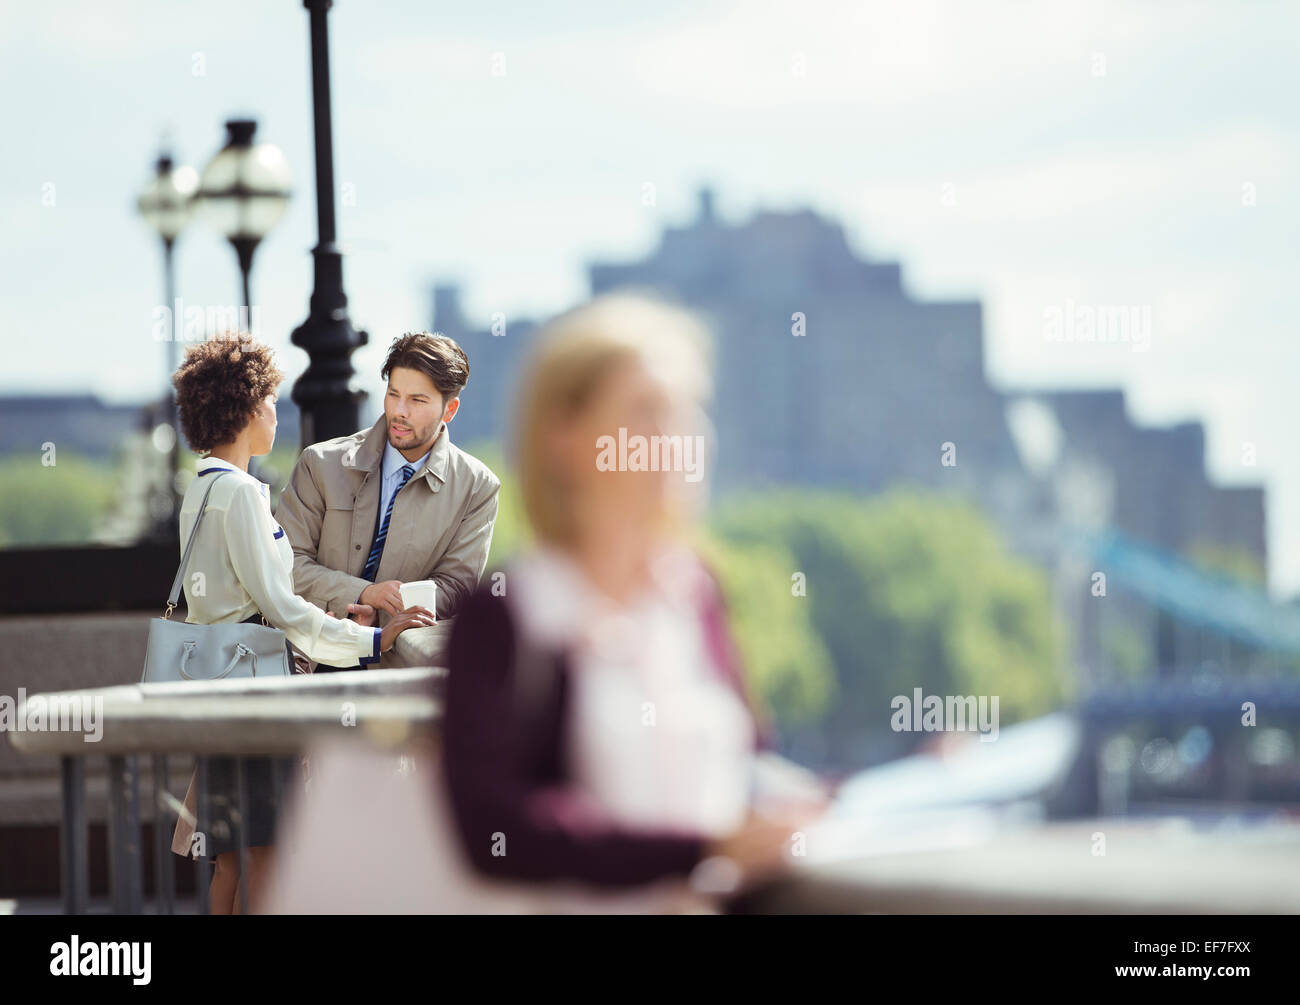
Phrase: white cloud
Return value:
(895, 54)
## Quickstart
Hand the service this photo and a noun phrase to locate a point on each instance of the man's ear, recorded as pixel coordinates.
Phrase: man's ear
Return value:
(452, 408)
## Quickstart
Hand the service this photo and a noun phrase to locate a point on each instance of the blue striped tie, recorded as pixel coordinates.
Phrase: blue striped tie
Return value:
(377, 549)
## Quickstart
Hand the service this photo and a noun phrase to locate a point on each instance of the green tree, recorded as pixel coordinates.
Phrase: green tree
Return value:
(60, 503)
(510, 532)
(911, 590)
(838, 603)
(786, 663)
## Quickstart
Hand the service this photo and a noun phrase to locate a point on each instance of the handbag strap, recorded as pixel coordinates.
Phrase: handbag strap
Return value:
(175, 595)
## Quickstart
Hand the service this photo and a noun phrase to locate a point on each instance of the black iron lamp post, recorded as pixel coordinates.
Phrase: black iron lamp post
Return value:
(330, 406)
(244, 192)
(166, 206)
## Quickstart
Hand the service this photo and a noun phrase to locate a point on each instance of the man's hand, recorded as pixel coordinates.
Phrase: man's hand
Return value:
(385, 596)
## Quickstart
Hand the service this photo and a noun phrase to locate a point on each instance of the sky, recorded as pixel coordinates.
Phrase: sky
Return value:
(1032, 155)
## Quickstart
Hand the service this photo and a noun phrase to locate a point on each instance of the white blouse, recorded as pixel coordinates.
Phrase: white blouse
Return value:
(242, 564)
(655, 735)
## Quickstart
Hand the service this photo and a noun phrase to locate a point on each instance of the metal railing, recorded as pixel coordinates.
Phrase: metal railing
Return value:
(242, 719)
(1152, 867)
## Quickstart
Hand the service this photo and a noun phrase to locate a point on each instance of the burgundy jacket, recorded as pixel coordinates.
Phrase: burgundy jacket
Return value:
(504, 761)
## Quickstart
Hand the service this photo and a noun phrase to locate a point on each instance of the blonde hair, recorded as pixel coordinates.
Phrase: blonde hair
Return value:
(572, 356)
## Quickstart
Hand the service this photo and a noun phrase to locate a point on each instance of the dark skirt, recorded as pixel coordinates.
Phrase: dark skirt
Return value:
(267, 781)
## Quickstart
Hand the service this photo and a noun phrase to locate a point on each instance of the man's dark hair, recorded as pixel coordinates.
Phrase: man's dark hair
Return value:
(433, 354)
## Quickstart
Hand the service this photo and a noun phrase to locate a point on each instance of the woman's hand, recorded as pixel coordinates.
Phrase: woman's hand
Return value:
(412, 617)
(362, 614)
(757, 849)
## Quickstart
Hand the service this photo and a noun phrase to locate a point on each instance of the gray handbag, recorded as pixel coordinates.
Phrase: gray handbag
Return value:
(180, 651)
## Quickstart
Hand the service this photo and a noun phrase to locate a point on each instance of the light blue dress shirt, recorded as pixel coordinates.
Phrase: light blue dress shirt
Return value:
(392, 474)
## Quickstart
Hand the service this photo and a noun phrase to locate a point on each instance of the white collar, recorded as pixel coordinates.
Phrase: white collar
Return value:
(208, 463)
(393, 460)
(216, 462)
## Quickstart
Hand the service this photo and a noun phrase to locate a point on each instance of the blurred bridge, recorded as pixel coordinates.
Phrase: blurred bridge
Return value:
(1223, 605)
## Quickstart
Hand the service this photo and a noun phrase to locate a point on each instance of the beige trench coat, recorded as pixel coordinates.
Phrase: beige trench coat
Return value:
(441, 527)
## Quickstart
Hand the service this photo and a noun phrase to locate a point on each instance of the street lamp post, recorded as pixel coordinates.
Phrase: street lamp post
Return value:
(330, 406)
(166, 205)
(244, 192)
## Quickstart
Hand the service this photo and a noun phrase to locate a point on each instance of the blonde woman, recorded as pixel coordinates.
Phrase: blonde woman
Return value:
(225, 395)
(597, 730)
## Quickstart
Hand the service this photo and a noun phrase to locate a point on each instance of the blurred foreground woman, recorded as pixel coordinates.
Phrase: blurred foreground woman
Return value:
(598, 739)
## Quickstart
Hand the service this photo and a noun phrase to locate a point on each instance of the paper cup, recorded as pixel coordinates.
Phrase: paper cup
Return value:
(421, 593)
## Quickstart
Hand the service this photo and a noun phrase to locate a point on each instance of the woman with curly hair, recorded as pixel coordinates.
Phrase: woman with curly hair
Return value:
(241, 570)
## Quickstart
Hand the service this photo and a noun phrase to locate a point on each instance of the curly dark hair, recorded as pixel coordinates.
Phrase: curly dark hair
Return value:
(219, 386)
(433, 354)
